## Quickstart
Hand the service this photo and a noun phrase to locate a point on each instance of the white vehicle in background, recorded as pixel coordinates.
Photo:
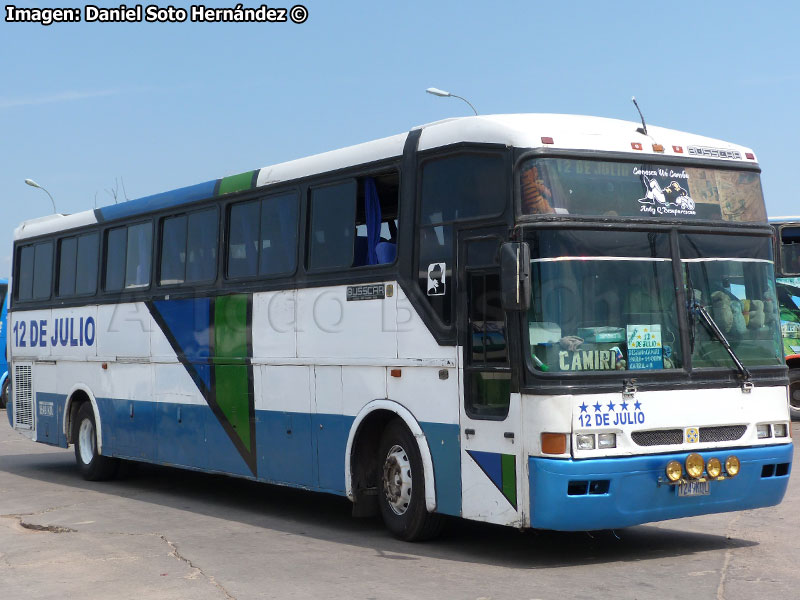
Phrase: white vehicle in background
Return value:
(482, 317)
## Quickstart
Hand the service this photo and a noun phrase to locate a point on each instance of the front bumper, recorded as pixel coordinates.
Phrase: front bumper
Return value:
(620, 492)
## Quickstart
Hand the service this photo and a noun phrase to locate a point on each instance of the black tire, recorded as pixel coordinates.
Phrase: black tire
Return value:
(402, 505)
(93, 466)
(794, 393)
(4, 394)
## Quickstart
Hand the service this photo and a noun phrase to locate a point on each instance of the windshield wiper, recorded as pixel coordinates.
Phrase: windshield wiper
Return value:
(713, 328)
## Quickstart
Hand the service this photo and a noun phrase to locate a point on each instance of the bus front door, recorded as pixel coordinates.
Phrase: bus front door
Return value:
(492, 466)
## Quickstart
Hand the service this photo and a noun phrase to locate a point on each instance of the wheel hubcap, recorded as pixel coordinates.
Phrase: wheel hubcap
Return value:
(86, 441)
(397, 480)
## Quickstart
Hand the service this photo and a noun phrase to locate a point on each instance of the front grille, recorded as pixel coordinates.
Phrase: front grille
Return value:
(658, 437)
(23, 397)
(723, 433)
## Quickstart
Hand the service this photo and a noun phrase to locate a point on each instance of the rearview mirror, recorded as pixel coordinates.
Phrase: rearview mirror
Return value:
(515, 275)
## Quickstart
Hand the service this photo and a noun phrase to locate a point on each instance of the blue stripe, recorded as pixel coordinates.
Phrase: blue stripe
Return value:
(446, 454)
(169, 199)
(634, 495)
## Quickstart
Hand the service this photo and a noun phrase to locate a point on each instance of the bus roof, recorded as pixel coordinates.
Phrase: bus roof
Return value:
(573, 132)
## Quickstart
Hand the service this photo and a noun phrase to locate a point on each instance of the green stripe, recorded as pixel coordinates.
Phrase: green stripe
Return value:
(232, 374)
(509, 470)
(236, 183)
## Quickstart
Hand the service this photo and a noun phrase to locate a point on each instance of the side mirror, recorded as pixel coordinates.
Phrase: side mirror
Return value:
(515, 275)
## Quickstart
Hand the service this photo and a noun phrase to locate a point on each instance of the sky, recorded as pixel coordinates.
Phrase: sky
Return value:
(88, 110)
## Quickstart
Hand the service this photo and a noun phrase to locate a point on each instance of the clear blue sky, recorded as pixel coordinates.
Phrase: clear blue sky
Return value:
(167, 105)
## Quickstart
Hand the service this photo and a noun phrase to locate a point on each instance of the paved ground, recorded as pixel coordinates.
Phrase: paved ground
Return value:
(162, 533)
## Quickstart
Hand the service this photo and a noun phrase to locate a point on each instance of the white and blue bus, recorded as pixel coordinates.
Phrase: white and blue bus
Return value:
(541, 321)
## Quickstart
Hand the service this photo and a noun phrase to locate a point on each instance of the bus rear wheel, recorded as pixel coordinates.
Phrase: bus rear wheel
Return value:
(794, 393)
(4, 395)
(401, 486)
(92, 465)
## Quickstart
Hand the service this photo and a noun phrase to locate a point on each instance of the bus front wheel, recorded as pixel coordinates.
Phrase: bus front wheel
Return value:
(4, 395)
(92, 465)
(401, 486)
(794, 393)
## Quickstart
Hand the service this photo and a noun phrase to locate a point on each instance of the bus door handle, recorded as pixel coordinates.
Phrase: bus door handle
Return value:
(509, 435)
(468, 432)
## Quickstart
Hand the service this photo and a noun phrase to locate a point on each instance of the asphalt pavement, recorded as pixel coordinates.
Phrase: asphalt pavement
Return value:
(163, 533)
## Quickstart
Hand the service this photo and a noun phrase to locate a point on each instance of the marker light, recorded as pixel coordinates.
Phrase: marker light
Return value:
(586, 441)
(606, 440)
(750, 155)
(763, 431)
(674, 470)
(714, 467)
(677, 149)
(636, 146)
(779, 429)
(732, 465)
(658, 148)
(694, 465)
(547, 140)
(554, 443)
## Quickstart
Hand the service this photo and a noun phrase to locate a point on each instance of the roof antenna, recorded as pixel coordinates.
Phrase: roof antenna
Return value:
(643, 128)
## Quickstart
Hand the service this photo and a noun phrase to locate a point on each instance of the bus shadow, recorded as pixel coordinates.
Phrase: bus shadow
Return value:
(325, 517)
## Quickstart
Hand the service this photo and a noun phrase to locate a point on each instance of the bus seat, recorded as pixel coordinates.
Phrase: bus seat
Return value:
(386, 252)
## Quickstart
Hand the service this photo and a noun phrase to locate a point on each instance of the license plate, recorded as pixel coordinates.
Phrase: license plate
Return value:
(693, 488)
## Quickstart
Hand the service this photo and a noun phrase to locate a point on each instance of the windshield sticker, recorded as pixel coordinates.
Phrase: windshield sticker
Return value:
(436, 279)
(672, 199)
(644, 347)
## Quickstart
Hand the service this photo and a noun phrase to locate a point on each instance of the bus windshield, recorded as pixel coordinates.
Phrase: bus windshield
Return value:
(647, 190)
(606, 300)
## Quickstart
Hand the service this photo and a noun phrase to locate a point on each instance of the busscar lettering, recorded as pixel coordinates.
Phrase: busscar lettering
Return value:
(43, 16)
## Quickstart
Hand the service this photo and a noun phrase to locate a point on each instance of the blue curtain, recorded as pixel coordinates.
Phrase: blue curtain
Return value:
(372, 207)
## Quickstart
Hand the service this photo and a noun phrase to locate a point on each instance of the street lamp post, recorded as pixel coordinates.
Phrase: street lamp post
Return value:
(443, 94)
(32, 183)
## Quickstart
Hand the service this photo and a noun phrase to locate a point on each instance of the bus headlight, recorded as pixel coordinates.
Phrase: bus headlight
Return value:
(763, 431)
(714, 467)
(732, 466)
(586, 441)
(694, 465)
(674, 470)
(779, 429)
(606, 440)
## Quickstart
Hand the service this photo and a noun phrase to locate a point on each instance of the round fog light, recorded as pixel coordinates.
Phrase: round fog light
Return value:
(674, 470)
(732, 465)
(714, 467)
(694, 465)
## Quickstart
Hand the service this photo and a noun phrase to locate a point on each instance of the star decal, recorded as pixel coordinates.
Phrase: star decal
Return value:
(623, 406)
(610, 405)
(637, 405)
(583, 407)
(597, 407)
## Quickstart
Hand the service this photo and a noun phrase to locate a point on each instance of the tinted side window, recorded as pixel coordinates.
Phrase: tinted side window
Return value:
(86, 269)
(116, 242)
(243, 239)
(201, 246)
(42, 270)
(278, 253)
(333, 215)
(140, 247)
(25, 273)
(173, 250)
(464, 186)
(67, 255)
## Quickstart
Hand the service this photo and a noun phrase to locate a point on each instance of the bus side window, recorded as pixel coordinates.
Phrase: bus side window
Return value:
(333, 225)
(128, 253)
(790, 250)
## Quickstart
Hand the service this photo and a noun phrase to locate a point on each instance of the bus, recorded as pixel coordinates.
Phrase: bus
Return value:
(3, 327)
(787, 269)
(541, 321)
